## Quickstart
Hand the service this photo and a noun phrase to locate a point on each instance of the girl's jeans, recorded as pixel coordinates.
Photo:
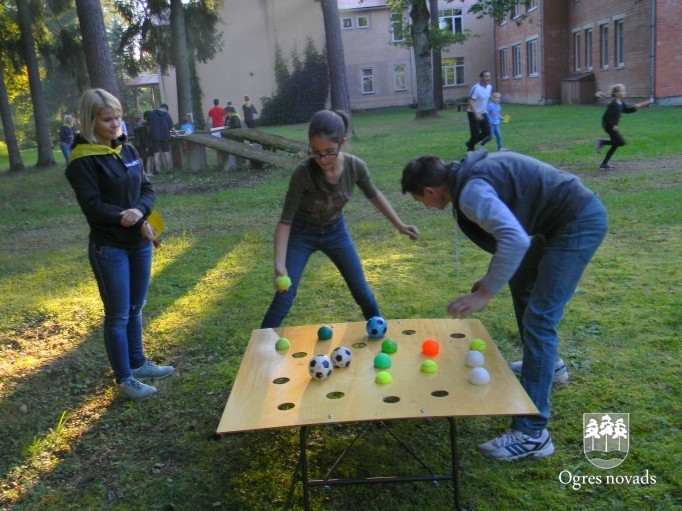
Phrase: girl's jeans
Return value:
(335, 242)
(495, 130)
(540, 288)
(123, 279)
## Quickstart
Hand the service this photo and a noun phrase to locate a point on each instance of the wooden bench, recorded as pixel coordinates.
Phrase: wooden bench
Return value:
(238, 146)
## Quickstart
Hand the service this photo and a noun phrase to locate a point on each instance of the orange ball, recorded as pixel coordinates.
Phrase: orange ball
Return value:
(430, 347)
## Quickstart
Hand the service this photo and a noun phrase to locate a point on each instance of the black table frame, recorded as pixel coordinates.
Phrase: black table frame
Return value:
(430, 477)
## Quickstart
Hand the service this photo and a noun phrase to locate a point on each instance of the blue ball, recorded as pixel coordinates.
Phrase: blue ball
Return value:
(376, 327)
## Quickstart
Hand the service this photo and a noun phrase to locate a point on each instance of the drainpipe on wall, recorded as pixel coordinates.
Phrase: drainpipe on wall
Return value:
(652, 71)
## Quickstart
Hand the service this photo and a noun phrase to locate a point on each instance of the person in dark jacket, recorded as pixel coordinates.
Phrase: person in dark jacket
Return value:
(66, 136)
(542, 226)
(116, 198)
(610, 121)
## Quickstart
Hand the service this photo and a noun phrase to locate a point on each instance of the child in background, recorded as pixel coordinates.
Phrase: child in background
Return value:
(495, 118)
(610, 121)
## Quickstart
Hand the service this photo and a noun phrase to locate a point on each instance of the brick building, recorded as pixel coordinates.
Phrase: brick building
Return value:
(561, 51)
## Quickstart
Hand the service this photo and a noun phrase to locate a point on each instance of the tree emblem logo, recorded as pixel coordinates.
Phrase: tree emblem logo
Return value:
(606, 438)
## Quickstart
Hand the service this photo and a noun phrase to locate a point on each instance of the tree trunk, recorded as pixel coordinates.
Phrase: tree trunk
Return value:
(338, 85)
(419, 29)
(97, 55)
(15, 162)
(437, 69)
(45, 155)
(181, 59)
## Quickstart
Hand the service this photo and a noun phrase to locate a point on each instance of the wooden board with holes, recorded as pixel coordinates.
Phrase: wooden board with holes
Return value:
(273, 389)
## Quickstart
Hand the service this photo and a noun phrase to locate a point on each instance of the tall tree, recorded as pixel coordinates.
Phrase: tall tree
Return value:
(15, 162)
(338, 85)
(181, 58)
(97, 54)
(419, 30)
(24, 18)
(435, 56)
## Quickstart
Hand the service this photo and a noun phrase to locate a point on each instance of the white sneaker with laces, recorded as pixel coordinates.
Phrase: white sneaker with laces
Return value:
(514, 445)
(560, 372)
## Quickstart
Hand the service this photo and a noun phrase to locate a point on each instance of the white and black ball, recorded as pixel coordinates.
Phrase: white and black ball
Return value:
(320, 367)
(341, 357)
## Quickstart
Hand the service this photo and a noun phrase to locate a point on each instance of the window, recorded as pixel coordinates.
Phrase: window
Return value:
(450, 19)
(618, 41)
(400, 77)
(532, 57)
(347, 23)
(363, 21)
(532, 5)
(516, 60)
(453, 71)
(367, 75)
(516, 10)
(576, 51)
(604, 46)
(504, 65)
(397, 34)
(588, 49)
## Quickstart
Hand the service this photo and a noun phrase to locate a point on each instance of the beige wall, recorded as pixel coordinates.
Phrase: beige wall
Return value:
(252, 28)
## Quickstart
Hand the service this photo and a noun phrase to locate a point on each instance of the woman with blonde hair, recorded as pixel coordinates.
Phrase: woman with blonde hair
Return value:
(116, 198)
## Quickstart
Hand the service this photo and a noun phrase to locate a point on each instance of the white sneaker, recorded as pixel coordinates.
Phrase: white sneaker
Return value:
(514, 445)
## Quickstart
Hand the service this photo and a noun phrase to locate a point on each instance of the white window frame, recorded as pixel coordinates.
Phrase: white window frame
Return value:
(452, 67)
(619, 42)
(576, 51)
(360, 24)
(399, 77)
(504, 63)
(397, 19)
(588, 48)
(347, 23)
(604, 46)
(532, 56)
(517, 63)
(367, 77)
(532, 5)
(516, 10)
(452, 18)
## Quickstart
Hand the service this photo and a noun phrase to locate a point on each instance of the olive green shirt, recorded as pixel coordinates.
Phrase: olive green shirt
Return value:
(312, 199)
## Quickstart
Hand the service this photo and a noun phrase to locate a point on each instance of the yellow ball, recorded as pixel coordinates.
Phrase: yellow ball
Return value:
(429, 366)
(477, 344)
(282, 344)
(383, 377)
(283, 283)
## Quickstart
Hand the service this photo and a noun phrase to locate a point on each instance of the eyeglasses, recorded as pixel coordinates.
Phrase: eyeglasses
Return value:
(325, 156)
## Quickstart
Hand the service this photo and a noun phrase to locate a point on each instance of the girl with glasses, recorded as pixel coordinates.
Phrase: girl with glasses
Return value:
(312, 218)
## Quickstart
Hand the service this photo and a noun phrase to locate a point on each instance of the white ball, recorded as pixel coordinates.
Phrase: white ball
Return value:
(341, 357)
(479, 376)
(475, 359)
(320, 367)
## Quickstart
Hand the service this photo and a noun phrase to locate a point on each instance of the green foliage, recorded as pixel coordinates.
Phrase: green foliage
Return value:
(69, 443)
(300, 92)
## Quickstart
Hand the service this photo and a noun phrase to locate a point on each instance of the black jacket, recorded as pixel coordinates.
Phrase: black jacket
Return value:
(106, 184)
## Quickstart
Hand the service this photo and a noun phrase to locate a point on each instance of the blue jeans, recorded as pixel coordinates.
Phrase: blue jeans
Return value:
(123, 279)
(335, 242)
(541, 287)
(495, 130)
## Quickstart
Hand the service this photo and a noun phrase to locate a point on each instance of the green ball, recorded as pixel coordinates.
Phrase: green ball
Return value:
(389, 346)
(383, 378)
(282, 344)
(429, 366)
(324, 333)
(477, 344)
(283, 283)
(382, 361)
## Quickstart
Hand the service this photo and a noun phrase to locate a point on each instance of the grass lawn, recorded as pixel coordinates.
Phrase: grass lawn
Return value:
(68, 442)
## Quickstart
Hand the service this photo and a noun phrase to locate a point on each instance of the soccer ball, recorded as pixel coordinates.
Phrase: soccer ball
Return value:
(376, 327)
(320, 367)
(341, 357)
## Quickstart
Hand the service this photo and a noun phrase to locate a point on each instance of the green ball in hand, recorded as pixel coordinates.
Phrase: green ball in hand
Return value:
(283, 283)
